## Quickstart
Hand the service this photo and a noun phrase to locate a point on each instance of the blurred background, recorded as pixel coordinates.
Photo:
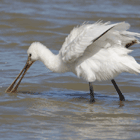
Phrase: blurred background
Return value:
(56, 106)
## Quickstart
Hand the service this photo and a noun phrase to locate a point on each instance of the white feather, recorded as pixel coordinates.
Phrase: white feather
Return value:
(106, 57)
(80, 38)
(93, 52)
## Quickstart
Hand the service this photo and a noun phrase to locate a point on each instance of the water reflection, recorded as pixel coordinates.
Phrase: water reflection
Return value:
(82, 119)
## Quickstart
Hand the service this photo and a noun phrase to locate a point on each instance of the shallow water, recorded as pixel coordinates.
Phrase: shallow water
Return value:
(56, 106)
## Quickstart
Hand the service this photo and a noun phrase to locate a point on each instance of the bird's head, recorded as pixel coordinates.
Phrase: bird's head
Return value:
(33, 55)
(34, 51)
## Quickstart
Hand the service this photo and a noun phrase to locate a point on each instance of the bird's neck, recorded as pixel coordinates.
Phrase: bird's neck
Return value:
(52, 61)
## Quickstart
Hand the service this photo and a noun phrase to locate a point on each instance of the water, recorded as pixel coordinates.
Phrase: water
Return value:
(56, 106)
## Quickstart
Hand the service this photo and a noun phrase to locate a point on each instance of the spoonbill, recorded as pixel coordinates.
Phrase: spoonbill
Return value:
(94, 52)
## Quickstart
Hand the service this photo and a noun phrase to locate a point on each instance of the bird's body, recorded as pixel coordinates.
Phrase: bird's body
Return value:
(91, 51)
(92, 59)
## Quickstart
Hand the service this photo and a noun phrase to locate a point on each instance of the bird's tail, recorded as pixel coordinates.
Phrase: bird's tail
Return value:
(130, 38)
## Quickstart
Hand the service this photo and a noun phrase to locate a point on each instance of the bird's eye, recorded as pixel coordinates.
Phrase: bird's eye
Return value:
(30, 55)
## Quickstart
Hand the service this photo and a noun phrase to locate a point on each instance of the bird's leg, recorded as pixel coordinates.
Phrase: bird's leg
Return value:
(118, 90)
(91, 92)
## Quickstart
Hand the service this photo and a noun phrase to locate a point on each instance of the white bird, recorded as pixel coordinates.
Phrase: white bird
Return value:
(94, 52)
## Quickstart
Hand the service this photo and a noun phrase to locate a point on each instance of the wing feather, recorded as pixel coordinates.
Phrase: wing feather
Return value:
(82, 37)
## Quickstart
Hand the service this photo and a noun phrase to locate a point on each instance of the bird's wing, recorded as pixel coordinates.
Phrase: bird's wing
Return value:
(81, 37)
